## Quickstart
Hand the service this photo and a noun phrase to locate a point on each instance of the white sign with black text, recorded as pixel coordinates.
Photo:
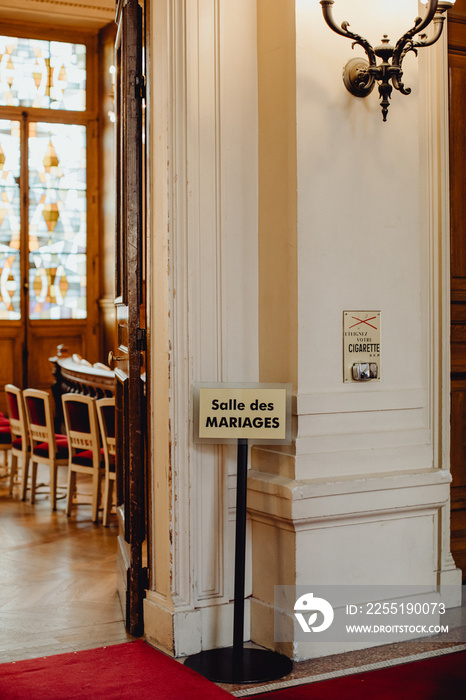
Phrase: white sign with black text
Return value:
(361, 346)
(260, 413)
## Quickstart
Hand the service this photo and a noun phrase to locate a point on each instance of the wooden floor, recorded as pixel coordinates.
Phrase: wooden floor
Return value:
(57, 578)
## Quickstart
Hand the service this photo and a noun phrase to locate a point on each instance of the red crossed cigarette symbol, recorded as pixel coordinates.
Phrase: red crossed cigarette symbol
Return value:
(366, 321)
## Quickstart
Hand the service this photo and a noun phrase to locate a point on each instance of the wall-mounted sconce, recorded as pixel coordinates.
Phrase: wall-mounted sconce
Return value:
(360, 76)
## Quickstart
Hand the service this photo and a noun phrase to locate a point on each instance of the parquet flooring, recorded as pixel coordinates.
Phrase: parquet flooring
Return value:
(58, 589)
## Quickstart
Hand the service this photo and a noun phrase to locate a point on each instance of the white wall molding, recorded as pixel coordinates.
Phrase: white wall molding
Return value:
(221, 207)
(206, 221)
(315, 501)
(181, 633)
(205, 289)
(435, 227)
(435, 222)
(370, 398)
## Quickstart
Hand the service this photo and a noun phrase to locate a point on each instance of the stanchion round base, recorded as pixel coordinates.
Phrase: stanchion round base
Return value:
(243, 666)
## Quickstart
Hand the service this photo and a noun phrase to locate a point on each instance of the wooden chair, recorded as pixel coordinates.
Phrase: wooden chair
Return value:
(106, 416)
(85, 456)
(46, 447)
(5, 439)
(20, 447)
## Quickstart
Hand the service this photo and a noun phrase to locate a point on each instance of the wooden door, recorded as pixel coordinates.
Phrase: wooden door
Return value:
(130, 312)
(49, 248)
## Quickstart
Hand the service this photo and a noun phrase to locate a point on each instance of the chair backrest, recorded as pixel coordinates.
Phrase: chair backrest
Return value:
(106, 416)
(17, 412)
(40, 418)
(81, 425)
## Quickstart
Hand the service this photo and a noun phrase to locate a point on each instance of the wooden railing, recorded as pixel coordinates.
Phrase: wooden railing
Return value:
(76, 375)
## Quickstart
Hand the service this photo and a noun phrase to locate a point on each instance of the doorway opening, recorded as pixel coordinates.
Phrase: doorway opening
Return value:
(48, 300)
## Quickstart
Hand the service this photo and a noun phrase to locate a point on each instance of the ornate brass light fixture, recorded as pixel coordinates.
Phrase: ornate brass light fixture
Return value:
(360, 76)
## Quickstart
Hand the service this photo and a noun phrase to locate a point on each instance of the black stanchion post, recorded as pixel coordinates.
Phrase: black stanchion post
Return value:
(240, 545)
(238, 664)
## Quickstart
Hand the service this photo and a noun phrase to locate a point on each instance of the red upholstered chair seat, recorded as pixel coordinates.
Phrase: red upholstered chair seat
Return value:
(5, 441)
(85, 454)
(5, 434)
(48, 448)
(20, 446)
(85, 458)
(42, 450)
(106, 414)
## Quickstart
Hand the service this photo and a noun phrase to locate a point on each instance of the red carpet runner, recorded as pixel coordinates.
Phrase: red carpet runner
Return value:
(137, 671)
(437, 678)
(124, 671)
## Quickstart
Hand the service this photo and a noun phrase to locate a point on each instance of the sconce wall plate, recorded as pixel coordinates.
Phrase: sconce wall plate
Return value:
(356, 77)
(361, 75)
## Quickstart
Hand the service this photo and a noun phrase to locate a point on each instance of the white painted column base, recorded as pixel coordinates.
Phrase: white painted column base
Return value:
(371, 531)
(185, 632)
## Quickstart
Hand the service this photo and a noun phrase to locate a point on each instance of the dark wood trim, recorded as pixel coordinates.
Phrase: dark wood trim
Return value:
(130, 309)
(75, 378)
(48, 32)
(458, 498)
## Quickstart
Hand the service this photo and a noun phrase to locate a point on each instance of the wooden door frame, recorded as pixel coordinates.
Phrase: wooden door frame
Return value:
(131, 462)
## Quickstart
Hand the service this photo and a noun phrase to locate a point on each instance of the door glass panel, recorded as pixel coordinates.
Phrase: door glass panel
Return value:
(57, 221)
(10, 273)
(38, 73)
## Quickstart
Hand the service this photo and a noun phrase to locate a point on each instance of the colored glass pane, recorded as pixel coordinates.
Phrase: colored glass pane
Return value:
(47, 74)
(57, 221)
(10, 273)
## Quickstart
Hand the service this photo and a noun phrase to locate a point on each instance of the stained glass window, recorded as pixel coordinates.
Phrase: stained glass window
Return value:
(48, 220)
(57, 221)
(47, 74)
(10, 227)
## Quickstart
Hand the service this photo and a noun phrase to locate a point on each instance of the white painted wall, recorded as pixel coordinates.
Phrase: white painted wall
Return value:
(362, 494)
(359, 234)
